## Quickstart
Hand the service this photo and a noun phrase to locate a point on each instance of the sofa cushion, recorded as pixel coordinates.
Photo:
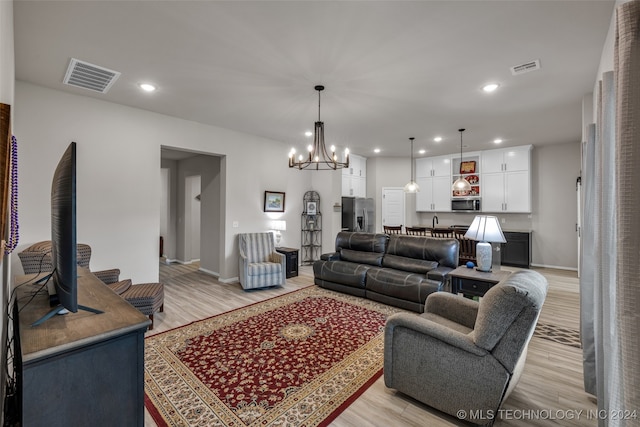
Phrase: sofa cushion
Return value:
(442, 251)
(343, 272)
(364, 242)
(408, 264)
(264, 268)
(371, 258)
(401, 285)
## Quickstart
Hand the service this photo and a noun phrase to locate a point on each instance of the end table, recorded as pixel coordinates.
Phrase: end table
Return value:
(291, 256)
(471, 282)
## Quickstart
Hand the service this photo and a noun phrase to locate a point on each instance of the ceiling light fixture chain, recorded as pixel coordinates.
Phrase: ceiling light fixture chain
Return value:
(319, 158)
(412, 186)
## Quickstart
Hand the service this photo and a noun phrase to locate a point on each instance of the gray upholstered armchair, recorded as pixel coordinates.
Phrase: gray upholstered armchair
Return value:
(464, 355)
(259, 264)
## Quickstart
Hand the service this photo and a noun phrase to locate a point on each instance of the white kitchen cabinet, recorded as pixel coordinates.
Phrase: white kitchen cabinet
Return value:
(506, 159)
(434, 194)
(433, 166)
(357, 166)
(424, 197)
(506, 178)
(354, 178)
(433, 175)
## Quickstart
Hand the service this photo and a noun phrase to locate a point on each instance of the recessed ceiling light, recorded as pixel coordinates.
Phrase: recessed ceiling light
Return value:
(497, 141)
(437, 139)
(308, 133)
(490, 87)
(147, 87)
(376, 150)
(422, 151)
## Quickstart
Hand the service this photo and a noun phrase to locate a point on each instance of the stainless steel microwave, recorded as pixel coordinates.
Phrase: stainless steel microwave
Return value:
(465, 205)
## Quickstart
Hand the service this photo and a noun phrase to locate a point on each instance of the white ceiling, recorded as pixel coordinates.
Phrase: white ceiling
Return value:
(391, 69)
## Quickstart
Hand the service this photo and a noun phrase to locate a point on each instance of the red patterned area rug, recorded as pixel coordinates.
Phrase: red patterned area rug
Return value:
(298, 359)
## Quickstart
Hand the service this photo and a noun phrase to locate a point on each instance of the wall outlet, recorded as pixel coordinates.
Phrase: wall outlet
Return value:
(235, 224)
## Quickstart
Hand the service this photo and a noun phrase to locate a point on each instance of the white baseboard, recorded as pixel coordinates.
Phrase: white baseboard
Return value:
(179, 261)
(557, 267)
(217, 276)
(230, 280)
(209, 272)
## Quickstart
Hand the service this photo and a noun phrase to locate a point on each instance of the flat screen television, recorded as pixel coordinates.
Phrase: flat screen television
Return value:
(64, 254)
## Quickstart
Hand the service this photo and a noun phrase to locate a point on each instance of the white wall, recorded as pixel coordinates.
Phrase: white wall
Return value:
(192, 218)
(7, 67)
(165, 207)
(329, 185)
(119, 186)
(390, 172)
(555, 239)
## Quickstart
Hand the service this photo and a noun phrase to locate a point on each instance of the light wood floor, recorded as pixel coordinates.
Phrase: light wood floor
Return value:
(550, 387)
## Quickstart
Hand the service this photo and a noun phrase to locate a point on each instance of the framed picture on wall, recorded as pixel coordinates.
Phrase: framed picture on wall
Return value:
(468, 167)
(273, 201)
(312, 208)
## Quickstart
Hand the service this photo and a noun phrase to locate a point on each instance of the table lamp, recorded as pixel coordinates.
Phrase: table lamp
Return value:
(485, 229)
(278, 226)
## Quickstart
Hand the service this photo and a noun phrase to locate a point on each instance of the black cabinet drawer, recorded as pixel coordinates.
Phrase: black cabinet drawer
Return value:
(473, 287)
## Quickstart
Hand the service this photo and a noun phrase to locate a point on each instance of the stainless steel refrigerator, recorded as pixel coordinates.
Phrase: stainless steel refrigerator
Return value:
(358, 214)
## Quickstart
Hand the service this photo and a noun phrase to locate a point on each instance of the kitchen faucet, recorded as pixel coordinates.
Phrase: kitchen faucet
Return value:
(434, 221)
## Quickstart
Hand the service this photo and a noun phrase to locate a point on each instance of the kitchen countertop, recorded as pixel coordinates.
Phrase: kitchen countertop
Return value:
(444, 227)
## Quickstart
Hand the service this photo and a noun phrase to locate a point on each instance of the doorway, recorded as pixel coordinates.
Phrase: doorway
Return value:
(192, 208)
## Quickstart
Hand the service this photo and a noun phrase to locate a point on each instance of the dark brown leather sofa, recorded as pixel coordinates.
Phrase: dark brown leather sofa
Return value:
(398, 270)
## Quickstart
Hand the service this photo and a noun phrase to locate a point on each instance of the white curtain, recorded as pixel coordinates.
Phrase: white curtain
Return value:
(627, 316)
(610, 264)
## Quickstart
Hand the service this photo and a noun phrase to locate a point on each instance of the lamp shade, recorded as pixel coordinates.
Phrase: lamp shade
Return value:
(279, 225)
(485, 228)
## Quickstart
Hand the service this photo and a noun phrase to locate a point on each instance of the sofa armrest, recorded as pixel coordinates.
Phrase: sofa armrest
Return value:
(424, 326)
(331, 256)
(440, 273)
(277, 257)
(453, 307)
(242, 258)
(281, 259)
(243, 267)
(108, 276)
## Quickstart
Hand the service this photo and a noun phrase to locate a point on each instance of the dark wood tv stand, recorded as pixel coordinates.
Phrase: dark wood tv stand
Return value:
(82, 368)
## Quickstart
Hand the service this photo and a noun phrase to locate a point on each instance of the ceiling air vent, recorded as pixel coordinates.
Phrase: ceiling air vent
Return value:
(526, 67)
(89, 76)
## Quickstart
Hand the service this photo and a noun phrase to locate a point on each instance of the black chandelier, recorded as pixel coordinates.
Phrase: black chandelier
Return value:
(319, 158)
